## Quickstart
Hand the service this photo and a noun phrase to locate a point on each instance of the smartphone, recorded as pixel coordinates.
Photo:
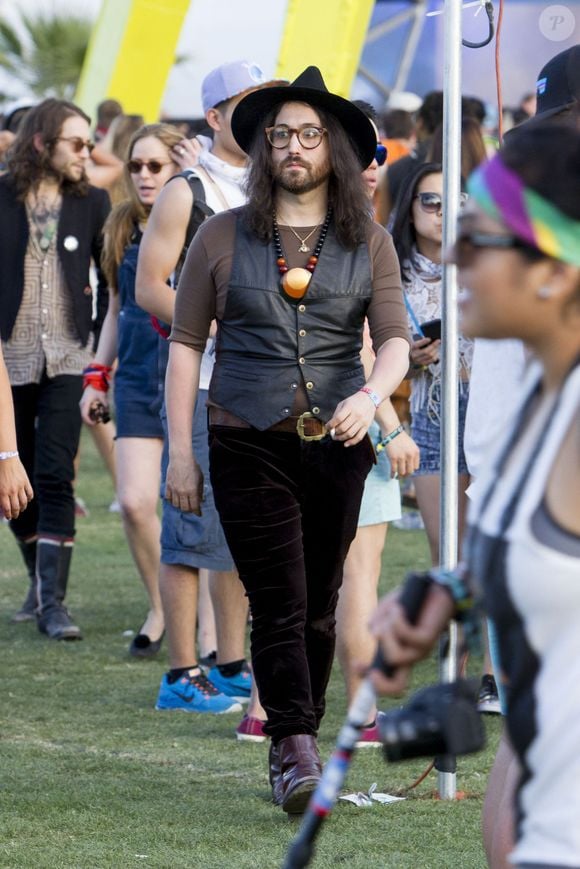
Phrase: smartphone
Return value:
(432, 329)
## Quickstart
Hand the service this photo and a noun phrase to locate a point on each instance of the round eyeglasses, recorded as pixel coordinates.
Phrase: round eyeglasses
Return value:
(154, 166)
(309, 135)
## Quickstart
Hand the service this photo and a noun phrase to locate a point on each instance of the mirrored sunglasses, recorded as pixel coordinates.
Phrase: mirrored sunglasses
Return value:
(432, 203)
(381, 154)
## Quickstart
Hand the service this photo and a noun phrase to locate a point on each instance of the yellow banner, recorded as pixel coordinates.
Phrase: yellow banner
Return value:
(131, 53)
(329, 34)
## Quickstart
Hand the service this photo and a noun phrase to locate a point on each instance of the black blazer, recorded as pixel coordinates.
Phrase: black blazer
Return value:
(81, 220)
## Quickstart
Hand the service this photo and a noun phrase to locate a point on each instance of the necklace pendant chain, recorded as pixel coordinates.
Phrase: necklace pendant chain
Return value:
(304, 248)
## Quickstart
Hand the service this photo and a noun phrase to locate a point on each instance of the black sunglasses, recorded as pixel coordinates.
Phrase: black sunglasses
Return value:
(154, 166)
(381, 154)
(468, 243)
(76, 143)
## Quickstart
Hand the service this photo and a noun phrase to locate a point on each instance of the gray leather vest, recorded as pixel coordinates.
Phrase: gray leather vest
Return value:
(267, 345)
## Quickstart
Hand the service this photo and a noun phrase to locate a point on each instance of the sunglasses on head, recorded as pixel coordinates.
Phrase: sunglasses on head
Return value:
(76, 143)
(154, 166)
(432, 203)
(381, 154)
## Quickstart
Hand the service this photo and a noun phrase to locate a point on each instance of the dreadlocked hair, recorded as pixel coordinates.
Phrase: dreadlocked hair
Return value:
(347, 194)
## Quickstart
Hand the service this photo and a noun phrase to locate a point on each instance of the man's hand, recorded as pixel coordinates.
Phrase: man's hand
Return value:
(352, 418)
(184, 484)
(15, 488)
(403, 644)
(403, 455)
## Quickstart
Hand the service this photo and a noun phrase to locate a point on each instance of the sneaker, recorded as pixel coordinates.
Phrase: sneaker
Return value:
(251, 730)
(239, 686)
(370, 736)
(488, 700)
(114, 506)
(194, 694)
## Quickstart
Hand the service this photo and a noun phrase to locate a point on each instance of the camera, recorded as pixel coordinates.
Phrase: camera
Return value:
(99, 413)
(438, 720)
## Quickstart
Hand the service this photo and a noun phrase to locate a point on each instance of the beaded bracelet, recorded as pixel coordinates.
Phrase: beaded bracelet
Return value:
(390, 437)
(467, 610)
(374, 397)
(8, 454)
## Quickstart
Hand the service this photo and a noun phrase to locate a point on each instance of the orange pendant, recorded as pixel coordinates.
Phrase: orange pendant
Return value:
(295, 282)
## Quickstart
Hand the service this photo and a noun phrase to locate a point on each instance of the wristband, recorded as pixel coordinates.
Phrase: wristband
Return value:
(97, 376)
(390, 437)
(8, 454)
(374, 397)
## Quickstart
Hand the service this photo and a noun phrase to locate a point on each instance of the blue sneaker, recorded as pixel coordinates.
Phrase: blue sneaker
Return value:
(194, 694)
(238, 687)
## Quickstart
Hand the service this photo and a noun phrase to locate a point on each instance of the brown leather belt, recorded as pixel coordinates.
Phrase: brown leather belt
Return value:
(306, 426)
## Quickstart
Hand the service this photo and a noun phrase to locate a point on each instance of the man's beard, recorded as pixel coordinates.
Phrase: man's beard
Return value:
(310, 180)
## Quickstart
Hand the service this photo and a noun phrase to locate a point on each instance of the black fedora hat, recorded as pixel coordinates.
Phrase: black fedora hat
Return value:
(308, 88)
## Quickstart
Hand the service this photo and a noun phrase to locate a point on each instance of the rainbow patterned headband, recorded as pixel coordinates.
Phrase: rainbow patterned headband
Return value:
(503, 196)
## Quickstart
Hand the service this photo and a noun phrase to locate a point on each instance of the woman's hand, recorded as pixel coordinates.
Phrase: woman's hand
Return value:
(424, 351)
(403, 454)
(186, 153)
(15, 488)
(352, 418)
(403, 644)
(89, 399)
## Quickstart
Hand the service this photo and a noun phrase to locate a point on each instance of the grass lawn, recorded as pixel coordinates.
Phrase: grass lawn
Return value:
(92, 776)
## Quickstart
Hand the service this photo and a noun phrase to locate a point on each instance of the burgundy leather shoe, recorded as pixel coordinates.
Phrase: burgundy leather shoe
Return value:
(301, 770)
(275, 774)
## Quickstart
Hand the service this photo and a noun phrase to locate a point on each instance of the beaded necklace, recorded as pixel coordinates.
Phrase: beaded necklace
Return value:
(295, 281)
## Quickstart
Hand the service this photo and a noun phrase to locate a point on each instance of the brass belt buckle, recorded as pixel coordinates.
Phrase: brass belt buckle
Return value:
(300, 428)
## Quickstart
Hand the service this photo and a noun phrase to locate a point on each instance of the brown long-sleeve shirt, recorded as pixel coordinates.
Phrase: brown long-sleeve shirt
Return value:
(204, 281)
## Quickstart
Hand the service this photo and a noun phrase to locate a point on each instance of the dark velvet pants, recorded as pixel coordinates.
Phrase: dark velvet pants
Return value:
(48, 425)
(289, 510)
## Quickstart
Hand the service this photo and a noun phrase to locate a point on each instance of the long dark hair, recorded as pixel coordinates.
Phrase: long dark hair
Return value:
(352, 214)
(403, 230)
(26, 164)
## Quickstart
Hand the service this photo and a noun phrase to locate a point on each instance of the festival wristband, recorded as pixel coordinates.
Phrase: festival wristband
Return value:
(466, 606)
(390, 437)
(97, 376)
(374, 397)
(8, 454)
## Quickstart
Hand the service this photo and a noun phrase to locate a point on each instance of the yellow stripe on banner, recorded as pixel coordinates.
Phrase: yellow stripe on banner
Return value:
(102, 53)
(329, 34)
(144, 55)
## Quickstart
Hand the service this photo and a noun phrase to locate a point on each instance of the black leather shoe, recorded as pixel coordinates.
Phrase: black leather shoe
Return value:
(144, 647)
(301, 770)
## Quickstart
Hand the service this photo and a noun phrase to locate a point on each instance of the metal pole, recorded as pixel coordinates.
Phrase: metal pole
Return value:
(410, 49)
(449, 356)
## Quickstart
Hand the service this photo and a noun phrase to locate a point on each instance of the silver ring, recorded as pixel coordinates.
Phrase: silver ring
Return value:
(180, 150)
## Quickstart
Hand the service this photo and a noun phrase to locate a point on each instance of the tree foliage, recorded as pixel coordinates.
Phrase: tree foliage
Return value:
(49, 57)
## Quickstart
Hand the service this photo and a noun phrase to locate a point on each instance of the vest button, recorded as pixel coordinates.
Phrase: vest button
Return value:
(315, 410)
(302, 360)
(310, 385)
(293, 386)
(301, 308)
(286, 410)
(302, 333)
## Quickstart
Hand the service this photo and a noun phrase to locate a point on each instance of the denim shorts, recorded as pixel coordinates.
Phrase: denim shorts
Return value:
(194, 541)
(381, 500)
(426, 432)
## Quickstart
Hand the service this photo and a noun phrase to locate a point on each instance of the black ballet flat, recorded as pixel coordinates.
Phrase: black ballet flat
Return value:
(144, 647)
